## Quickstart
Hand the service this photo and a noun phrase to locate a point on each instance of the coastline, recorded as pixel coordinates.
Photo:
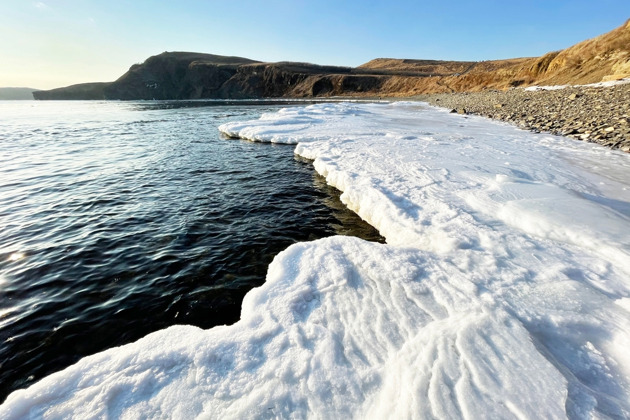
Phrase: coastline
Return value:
(483, 284)
(593, 114)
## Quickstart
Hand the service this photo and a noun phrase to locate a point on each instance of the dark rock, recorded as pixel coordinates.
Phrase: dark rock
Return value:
(184, 75)
(176, 75)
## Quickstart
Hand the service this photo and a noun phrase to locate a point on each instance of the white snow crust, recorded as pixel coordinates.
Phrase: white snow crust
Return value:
(608, 83)
(502, 291)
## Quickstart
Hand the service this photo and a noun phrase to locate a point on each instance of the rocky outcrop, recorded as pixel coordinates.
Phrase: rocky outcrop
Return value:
(273, 80)
(185, 75)
(176, 75)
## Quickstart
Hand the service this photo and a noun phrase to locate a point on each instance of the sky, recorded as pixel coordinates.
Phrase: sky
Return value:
(52, 43)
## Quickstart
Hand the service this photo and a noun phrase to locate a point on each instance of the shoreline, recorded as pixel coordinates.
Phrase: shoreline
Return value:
(593, 114)
(484, 283)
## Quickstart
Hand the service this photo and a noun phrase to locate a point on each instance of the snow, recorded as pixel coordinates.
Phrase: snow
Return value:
(503, 290)
(608, 83)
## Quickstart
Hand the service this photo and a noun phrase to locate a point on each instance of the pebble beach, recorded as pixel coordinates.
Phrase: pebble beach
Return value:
(597, 114)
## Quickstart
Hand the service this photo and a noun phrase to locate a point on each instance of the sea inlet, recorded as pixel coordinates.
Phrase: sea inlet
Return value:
(122, 218)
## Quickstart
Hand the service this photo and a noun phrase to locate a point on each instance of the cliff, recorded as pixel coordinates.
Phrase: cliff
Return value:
(186, 75)
(176, 75)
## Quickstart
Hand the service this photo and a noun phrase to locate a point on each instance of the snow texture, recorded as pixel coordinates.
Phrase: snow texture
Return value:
(503, 290)
(609, 83)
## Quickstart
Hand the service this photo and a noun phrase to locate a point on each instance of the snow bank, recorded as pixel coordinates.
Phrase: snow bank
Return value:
(502, 291)
(609, 83)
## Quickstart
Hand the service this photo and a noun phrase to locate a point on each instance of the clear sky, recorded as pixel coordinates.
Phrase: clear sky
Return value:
(53, 43)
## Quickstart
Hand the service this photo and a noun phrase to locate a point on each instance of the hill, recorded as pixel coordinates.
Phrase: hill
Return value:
(606, 57)
(83, 91)
(187, 75)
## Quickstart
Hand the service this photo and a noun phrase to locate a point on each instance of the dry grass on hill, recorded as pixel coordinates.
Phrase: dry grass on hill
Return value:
(606, 57)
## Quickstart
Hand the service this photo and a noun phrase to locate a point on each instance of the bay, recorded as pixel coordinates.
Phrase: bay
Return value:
(122, 218)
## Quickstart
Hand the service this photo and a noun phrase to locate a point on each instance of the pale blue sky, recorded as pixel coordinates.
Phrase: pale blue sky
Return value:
(53, 43)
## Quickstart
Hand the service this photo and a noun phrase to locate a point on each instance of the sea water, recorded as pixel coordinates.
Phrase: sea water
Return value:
(122, 218)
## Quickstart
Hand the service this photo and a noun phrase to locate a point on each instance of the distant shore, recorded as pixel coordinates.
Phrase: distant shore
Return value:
(594, 114)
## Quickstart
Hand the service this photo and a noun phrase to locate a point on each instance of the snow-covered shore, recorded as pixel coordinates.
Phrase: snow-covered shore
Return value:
(503, 290)
(596, 113)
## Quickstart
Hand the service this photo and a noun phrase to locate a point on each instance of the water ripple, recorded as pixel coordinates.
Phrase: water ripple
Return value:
(119, 219)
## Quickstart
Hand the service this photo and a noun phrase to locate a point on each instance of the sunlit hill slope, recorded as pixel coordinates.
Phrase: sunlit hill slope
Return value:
(187, 75)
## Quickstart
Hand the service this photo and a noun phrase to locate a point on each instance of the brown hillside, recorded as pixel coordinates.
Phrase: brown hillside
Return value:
(606, 57)
(423, 67)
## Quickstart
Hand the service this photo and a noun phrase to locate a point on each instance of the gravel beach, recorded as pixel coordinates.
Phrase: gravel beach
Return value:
(594, 114)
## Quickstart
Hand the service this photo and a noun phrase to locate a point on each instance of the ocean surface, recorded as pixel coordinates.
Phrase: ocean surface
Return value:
(118, 219)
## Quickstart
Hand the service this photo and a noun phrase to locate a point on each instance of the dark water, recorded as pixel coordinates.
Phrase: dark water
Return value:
(119, 219)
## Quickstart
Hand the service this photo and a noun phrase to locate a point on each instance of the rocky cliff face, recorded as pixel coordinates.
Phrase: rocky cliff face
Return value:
(175, 75)
(185, 75)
